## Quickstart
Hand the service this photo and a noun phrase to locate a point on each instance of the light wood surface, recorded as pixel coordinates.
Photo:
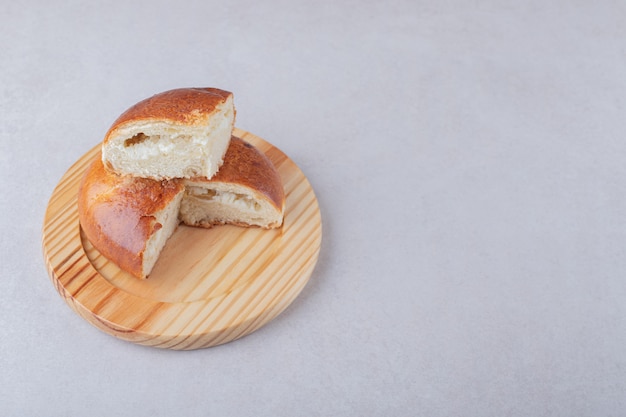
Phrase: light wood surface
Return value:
(208, 287)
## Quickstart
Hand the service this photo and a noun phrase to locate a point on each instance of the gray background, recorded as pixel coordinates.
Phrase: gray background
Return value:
(468, 158)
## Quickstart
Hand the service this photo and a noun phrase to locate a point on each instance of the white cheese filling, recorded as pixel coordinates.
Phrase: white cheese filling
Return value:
(241, 201)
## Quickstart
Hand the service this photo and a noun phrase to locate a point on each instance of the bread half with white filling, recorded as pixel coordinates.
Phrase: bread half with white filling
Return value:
(246, 191)
(180, 133)
(129, 219)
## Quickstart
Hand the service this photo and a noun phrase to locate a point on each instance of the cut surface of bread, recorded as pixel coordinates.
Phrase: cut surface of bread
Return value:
(129, 219)
(247, 190)
(179, 133)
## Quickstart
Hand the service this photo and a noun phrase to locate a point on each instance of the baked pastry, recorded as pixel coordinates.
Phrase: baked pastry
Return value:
(179, 133)
(129, 219)
(246, 191)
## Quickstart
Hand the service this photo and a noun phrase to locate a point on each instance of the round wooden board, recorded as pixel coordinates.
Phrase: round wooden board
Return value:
(209, 286)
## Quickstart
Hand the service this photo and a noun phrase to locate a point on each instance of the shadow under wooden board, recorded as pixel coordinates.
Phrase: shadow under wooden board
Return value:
(209, 286)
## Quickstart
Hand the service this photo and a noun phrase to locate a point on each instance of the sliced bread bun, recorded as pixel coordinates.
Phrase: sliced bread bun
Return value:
(129, 219)
(246, 191)
(179, 133)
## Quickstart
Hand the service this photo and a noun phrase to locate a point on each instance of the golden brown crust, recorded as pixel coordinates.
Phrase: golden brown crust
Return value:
(187, 106)
(116, 213)
(245, 165)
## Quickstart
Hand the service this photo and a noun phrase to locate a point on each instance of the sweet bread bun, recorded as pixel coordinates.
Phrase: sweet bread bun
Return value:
(179, 133)
(129, 219)
(246, 191)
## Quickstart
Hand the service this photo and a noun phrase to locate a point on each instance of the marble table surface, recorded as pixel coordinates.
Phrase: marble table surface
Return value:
(468, 159)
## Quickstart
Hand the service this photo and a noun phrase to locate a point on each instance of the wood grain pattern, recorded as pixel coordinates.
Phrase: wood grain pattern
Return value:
(208, 287)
